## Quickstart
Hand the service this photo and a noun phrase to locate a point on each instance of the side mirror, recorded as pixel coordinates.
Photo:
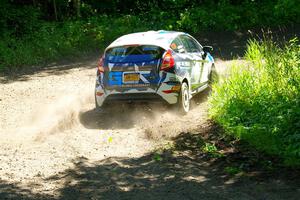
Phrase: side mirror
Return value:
(208, 49)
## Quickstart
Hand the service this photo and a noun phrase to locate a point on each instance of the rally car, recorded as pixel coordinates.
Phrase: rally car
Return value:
(164, 66)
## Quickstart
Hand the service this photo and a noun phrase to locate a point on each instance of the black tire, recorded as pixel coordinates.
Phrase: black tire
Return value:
(96, 104)
(184, 102)
(213, 76)
(100, 108)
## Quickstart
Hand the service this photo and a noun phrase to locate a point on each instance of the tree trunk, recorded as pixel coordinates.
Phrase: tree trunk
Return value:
(77, 7)
(55, 9)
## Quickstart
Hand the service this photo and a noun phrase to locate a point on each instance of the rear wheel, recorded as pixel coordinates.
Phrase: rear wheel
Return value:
(99, 108)
(184, 99)
(96, 104)
(213, 76)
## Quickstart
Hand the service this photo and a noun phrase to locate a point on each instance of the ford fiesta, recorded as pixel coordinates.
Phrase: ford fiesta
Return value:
(153, 66)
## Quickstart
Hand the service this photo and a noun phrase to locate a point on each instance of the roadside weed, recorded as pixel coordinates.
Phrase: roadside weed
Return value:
(260, 101)
(157, 157)
(232, 170)
(211, 150)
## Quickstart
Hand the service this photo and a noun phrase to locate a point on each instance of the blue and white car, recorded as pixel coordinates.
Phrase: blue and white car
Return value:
(165, 66)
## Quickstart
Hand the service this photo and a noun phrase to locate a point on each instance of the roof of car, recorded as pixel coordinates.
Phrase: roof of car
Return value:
(159, 38)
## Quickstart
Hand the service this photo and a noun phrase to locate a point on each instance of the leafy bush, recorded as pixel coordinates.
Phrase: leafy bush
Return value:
(260, 101)
(31, 34)
(226, 15)
(220, 16)
(56, 40)
(287, 11)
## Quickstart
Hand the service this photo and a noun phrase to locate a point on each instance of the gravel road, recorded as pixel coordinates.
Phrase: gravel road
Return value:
(48, 120)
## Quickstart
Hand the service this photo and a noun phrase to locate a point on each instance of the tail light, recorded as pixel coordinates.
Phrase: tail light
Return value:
(168, 61)
(100, 65)
(99, 94)
(175, 88)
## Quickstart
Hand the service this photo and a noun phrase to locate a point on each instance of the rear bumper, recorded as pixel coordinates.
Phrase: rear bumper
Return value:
(134, 97)
(110, 97)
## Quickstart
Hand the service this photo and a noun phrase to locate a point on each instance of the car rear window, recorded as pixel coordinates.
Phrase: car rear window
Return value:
(134, 53)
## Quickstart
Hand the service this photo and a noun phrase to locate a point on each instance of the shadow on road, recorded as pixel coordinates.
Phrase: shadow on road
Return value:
(55, 68)
(17, 191)
(182, 171)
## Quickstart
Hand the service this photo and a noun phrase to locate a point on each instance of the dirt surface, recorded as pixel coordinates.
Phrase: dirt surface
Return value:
(55, 145)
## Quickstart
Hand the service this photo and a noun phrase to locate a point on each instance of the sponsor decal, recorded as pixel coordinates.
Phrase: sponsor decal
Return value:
(135, 85)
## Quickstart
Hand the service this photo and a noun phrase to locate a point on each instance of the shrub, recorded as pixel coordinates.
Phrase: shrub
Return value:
(55, 40)
(260, 101)
(29, 34)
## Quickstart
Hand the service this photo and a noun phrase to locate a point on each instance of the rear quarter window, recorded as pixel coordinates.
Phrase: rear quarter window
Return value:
(139, 52)
(190, 44)
(176, 45)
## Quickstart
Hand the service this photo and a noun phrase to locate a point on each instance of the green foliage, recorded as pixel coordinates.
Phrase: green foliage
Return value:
(209, 148)
(51, 41)
(57, 40)
(232, 170)
(260, 101)
(34, 32)
(287, 11)
(220, 16)
(225, 15)
(212, 150)
(157, 157)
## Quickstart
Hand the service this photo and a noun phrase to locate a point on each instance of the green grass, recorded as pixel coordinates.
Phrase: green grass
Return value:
(260, 101)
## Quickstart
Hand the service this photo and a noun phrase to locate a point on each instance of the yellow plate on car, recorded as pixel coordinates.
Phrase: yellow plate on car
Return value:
(131, 77)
